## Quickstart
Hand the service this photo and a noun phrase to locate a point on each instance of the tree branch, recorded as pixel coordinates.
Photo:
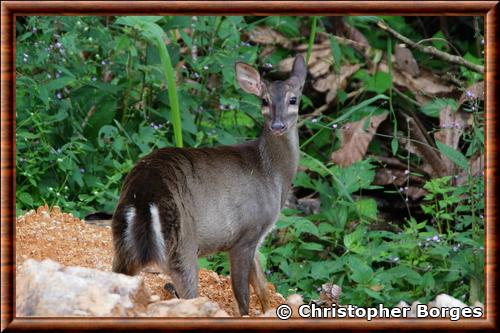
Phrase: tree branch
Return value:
(431, 49)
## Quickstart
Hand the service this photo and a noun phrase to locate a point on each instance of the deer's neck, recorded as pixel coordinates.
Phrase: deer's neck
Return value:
(280, 156)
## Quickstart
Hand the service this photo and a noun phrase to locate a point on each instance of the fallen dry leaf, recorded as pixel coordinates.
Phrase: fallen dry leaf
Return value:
(333, 81)
(425, 87)
(345, 73)
(452, 125)
(405, 60)
(415, 192)
(422, 145)
(264, 35)
(285, 65)
(355, 140)
(320, 67)
(476, 166)
(475, 91)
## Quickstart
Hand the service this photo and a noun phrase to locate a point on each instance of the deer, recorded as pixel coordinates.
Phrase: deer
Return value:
(179, 204)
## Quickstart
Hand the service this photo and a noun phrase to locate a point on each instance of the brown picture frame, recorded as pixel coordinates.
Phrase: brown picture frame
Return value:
(11, 9)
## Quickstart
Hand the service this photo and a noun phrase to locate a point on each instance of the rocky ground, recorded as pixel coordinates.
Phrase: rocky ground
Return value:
(64, 269)
(52, 234)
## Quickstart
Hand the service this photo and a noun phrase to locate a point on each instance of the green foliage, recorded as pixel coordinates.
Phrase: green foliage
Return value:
(91, 99)
(94, 94)
(434, 107)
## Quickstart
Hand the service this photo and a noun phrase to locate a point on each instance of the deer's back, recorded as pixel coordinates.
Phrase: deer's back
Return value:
(213, 195)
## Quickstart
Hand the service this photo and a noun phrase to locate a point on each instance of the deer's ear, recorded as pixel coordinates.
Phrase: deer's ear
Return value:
(248, 78)
(299, 71)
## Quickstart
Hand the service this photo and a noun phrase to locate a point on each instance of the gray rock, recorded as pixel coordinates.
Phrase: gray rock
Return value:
(46, 288)
(309, 205)
(196, 307)
(447, 301)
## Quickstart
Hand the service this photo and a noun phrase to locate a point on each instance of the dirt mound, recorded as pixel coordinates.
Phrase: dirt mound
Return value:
(51, 234)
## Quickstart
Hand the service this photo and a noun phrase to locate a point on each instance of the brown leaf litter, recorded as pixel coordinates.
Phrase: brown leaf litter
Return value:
(355, 139)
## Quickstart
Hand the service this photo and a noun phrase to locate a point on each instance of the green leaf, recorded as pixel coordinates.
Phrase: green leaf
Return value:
(367, 208)
(311, 246)
(77, 177)
(394, 146)
(374, 294)
(323, 270)
(325, 228)
(25, 198)
(406, 273)
(434, 107)
(336, 53)
(60, 83)
(439, 41)
(303, 225)
(353, 238)
(379, 83)
(454, 155)
(361, 272)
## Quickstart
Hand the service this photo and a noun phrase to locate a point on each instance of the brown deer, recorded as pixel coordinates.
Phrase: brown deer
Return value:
(178, 204)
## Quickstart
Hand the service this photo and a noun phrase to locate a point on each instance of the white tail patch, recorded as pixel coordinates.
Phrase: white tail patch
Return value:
(129, 238)
(157, 234)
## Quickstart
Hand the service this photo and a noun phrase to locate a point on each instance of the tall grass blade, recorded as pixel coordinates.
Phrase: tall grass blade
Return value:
(172, 90)
(312, 36)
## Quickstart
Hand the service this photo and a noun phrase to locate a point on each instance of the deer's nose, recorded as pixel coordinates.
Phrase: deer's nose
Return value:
(278, 126)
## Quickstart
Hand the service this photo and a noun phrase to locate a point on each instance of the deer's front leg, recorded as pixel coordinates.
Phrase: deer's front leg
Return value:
(241, 259)
(259, 283)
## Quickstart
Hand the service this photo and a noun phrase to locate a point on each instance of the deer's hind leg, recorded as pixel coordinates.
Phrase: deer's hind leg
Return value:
(183, 269)
(125, 265)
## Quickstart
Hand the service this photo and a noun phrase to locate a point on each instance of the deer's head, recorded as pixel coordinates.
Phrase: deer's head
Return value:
(280, 99)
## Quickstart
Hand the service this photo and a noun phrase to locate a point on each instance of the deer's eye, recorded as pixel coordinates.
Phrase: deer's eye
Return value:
(265, 102)
(293, 100)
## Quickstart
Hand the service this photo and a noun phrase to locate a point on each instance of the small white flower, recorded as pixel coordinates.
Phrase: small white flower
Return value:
(314, 120)
(407, 172)
(334, 125)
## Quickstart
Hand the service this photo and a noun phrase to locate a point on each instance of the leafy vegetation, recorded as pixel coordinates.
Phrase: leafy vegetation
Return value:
(399, 216)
